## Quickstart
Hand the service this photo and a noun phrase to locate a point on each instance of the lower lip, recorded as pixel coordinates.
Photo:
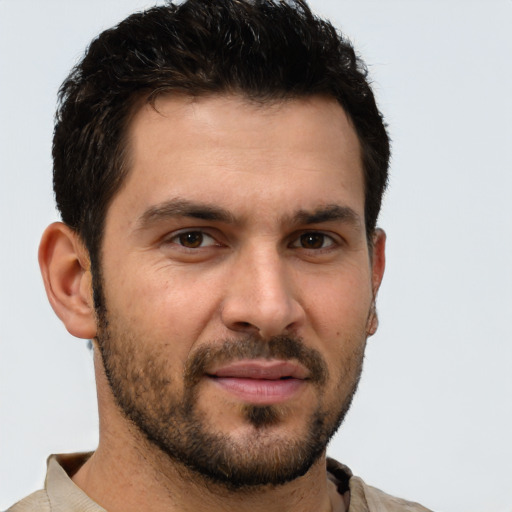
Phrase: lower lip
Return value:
(260, 391)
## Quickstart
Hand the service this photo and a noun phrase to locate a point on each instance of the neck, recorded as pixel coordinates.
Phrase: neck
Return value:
(129, 482)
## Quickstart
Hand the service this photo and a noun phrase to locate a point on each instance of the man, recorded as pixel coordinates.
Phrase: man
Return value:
(219, 168)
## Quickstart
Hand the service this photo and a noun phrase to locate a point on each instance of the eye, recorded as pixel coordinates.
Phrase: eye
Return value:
(193, 239)
(313, 240)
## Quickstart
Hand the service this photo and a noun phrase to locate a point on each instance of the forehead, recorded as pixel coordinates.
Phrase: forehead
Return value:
(237, 120)
(238, 151)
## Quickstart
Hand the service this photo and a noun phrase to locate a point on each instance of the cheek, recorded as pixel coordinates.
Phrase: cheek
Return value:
(167, 306)
(338, 306)
(338, 315)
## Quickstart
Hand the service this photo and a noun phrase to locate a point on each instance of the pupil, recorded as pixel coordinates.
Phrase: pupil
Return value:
(312, 240)
(192, 239)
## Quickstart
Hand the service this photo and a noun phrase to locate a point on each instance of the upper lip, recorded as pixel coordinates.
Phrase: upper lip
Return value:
(272, 369)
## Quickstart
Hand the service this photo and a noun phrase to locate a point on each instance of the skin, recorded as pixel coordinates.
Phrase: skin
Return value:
(259, 272)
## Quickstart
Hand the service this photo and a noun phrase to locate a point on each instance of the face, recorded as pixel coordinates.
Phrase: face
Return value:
(238, 283)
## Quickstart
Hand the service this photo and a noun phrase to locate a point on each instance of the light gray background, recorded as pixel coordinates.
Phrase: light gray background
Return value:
(433, 418)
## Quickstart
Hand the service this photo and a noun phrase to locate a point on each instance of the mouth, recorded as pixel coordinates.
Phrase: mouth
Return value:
(261, 382)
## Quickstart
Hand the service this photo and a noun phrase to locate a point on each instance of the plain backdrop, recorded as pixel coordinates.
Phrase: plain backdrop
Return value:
(432, 420)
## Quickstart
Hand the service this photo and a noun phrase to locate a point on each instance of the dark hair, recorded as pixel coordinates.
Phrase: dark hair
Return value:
(263, 49)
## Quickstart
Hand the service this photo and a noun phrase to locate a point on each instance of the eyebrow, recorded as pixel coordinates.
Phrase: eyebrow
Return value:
(328, 213)
(179, 207)
(183, 208)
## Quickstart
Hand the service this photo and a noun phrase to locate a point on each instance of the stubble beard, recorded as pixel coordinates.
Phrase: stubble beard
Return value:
(145, 394)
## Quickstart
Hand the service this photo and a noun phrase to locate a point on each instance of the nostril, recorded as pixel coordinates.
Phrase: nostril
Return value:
(243, 326)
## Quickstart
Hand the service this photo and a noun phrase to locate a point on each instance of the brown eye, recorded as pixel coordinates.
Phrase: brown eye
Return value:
(312, 240)
(191, 239)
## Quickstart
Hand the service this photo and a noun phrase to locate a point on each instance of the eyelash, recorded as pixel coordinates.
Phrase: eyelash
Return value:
(296, 239)
(175, 239)
(312, 234)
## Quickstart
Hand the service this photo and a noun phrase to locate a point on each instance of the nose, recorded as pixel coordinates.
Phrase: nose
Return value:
(261, 296)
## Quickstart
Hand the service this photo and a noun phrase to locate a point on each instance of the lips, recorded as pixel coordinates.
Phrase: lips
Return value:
(261, 382)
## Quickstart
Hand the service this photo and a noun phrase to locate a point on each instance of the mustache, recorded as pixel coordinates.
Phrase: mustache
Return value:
(285, 347)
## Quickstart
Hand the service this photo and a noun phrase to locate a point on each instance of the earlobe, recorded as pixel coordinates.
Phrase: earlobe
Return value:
(65, 268)
(372, 323)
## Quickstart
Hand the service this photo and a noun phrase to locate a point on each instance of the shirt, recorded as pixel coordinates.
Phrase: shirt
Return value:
(60, 494)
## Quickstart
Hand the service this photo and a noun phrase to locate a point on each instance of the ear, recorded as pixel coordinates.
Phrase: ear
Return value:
(378, 264)
(65, 267)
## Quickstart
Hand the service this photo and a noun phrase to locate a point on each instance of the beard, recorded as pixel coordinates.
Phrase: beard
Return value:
(165, 408)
